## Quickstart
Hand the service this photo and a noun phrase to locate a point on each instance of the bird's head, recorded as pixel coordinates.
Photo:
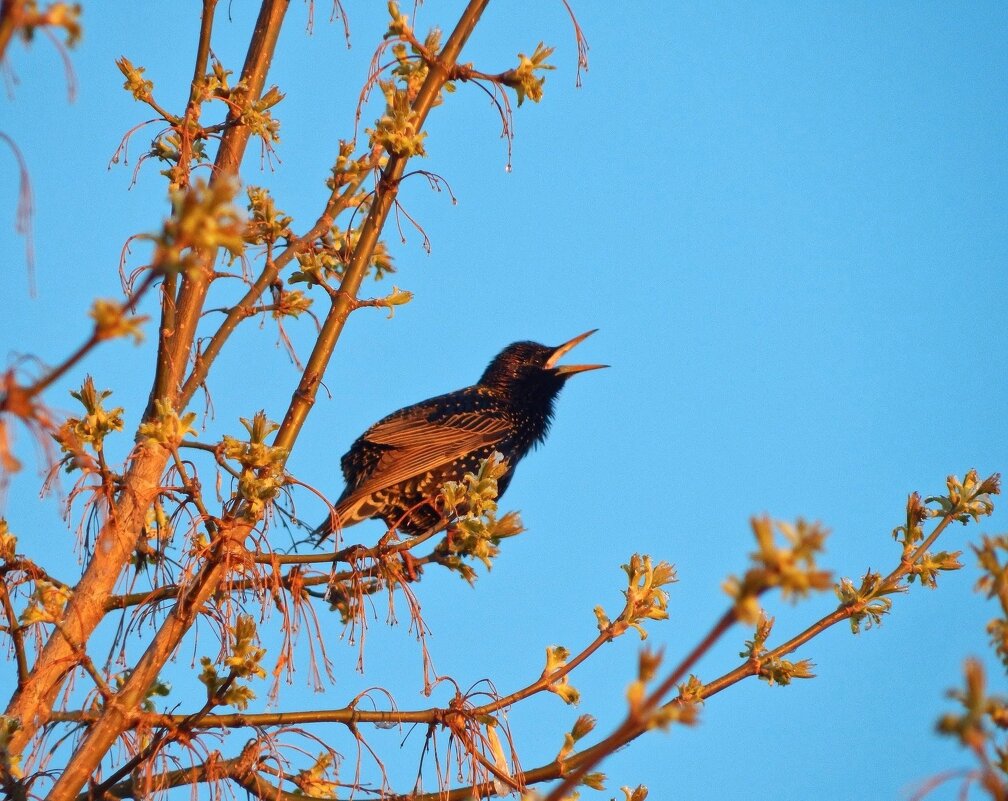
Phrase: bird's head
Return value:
(531, 369)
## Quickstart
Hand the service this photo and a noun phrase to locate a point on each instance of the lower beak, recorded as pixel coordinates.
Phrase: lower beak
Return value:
(570, 369)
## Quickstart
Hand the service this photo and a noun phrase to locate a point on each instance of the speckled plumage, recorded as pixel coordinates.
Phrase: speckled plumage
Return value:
(395, 469)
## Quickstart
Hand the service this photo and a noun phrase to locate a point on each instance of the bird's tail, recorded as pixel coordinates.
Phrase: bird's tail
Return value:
(346, 512)
(321, 532)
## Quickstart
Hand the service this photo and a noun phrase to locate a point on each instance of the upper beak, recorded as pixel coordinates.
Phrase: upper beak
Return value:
(570, 369)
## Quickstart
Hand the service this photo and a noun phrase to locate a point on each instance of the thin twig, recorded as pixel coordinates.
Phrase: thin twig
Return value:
(16, 633)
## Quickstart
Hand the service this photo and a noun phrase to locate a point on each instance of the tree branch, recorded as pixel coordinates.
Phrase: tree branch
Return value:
(637, 722)
(115, 716)
(176, 343)
(338, 202)
(16, 633)
(385, 194)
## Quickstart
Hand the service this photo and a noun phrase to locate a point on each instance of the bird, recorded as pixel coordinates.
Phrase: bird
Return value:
(395, 470)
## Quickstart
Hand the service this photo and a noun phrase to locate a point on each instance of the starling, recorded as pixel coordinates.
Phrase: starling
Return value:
(396, 469)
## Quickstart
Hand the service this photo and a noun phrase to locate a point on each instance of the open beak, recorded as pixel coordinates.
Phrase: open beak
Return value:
(570, 369)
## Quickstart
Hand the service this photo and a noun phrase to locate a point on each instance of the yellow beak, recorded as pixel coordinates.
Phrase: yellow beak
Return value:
(570, 369)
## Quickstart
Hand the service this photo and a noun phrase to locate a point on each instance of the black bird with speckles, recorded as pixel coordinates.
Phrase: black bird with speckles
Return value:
(395, 470)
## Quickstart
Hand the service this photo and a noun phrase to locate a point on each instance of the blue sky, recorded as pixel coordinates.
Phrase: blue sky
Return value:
(788, 222)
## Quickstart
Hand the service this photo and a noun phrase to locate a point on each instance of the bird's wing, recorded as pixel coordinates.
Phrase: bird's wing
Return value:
(413, 445)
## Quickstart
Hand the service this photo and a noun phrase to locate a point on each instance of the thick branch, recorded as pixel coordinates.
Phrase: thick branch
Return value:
(32, 702)
(236, 720)
(209, 771)
(116, 715)
(176, 342)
